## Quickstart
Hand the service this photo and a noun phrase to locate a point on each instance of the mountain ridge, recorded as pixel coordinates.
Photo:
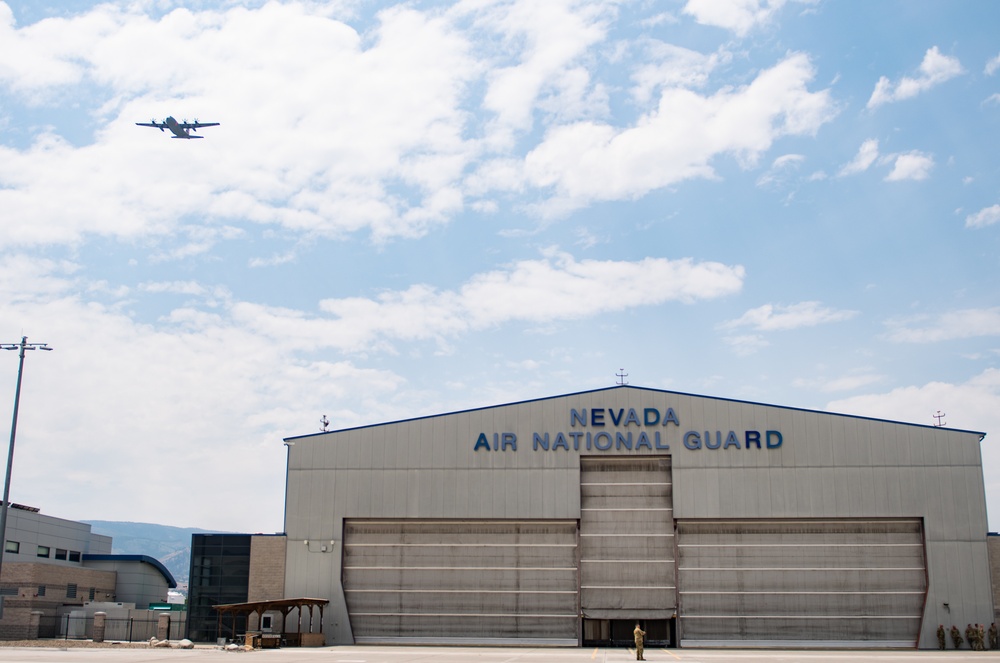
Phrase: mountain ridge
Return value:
(169, 544)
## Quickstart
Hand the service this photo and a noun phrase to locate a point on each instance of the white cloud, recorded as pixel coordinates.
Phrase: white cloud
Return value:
(586, 239)
(972, 405)
(588, 161)
(547, 290)
(984, 217)
(911, 166)
(935, 69)
(554, 288)
(866, 156)
(663, 18)
(667, 66)
(46, 53)
(914, 165)
(770, 317)
(781, 170)
(744, 345)
(739, 16)
(963, 323)
(992, 65)
(551, 38)
(850, 382)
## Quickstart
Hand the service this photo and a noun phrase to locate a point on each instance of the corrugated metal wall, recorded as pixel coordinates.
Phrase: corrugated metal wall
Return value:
(412, 580)
(837, 581)
(627, 568)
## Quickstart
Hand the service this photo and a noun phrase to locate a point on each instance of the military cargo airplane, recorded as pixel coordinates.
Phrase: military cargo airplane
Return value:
(179, 129)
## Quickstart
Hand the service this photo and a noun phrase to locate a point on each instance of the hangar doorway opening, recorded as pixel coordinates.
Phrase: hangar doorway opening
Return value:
(619, 632)
(627, 568)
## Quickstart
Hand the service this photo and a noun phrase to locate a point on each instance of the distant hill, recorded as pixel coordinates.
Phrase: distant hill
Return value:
(170, 545)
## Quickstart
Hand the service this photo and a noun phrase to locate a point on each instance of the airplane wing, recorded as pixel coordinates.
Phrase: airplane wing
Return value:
(197, 125)
(156, 125)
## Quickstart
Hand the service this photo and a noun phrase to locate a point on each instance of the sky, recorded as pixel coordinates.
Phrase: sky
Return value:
(417, 208)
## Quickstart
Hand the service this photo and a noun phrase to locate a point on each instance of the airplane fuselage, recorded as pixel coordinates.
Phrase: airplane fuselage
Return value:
(177, 130)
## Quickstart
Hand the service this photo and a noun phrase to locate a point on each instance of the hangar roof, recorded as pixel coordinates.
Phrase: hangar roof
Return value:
(628, 386)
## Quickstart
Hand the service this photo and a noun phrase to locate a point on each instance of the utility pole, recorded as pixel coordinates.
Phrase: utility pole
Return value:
(22, 347)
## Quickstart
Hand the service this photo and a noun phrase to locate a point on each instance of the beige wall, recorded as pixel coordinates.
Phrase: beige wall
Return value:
(267, 576)
(28, 577)
(267, 568)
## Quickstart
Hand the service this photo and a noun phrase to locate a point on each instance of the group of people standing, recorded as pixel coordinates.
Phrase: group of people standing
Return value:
(975, 634)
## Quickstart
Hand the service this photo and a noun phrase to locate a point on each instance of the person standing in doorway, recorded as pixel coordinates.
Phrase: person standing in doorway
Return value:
(640, 636)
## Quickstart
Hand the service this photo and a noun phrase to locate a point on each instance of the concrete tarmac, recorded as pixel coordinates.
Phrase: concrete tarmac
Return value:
(378, 654)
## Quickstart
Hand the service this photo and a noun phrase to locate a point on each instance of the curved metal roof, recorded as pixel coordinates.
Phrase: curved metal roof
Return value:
(142, 559)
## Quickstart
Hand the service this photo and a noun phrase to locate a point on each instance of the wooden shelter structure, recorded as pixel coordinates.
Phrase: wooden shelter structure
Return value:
(284, 606)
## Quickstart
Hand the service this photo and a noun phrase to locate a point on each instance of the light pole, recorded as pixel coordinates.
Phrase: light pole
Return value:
(22, 347)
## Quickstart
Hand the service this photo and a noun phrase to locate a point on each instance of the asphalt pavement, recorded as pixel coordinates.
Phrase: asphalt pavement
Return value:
(378, 654)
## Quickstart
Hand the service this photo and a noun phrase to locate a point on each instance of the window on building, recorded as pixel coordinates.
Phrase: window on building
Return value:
(61, 554)
(220, 572)
(43, 551)
(41, 590)
(12, 547)
(71, 591)
(91, 596)
(74, 556)
(8, 591)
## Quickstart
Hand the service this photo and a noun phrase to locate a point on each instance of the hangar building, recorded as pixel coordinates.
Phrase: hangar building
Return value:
(714, 522)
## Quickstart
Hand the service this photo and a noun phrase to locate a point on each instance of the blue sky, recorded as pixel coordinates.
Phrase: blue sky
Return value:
(417, 208)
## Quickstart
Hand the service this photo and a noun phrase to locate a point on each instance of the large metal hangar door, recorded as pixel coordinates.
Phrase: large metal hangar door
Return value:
(627, 570)
(441, 581)
(801, 582)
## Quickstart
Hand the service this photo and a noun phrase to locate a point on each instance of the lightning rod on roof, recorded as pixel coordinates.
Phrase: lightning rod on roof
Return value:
(621, 376)
(939, 416)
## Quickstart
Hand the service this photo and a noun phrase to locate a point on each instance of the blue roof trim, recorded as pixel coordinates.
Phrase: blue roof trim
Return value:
(142, 559)
(628, 386)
